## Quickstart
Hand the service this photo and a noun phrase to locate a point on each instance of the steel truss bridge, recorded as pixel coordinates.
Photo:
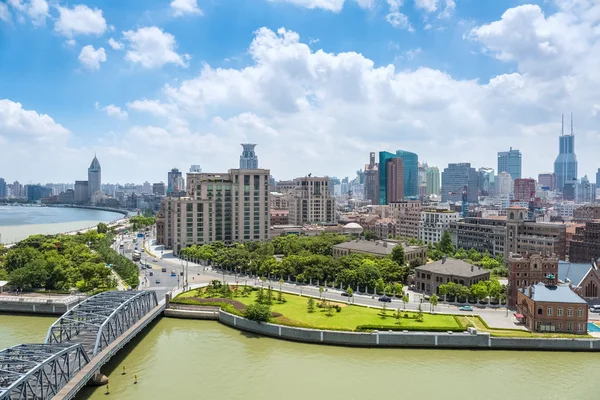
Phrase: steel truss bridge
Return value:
(39, 371)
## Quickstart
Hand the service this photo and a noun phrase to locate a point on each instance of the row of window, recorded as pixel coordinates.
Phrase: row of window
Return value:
(559, 311)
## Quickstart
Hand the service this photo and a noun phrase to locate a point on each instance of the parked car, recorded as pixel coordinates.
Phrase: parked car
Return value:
(164, 269)
(385, 299)
(151, 273)
(466, 308)
(345, 294)
(157, 281)
(155, 260)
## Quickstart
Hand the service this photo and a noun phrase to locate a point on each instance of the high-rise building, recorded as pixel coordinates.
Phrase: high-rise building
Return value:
(585, 191)
(395, 180)
(487, 181)
(510, 161)
(158, 188)
(454, 178)
(173, 182)
(195, 169)
(411, 173)
(82, 193)
(433, 181)
(229, 207)
(524, 189)
(565, 166)
(248, 159)
(547, 180)
(423, 179)
(3, 189)
(504, 184)
(37, 192)
(371, 180)
(598, 179)
(311, 202)
(94, 177)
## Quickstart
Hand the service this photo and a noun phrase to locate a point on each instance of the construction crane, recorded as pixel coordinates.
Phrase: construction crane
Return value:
(464, 208)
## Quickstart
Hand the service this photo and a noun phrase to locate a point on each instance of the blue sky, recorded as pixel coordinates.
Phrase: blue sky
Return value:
(42, 70)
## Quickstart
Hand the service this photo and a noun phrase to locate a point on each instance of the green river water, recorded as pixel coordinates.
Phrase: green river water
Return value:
(187, 359)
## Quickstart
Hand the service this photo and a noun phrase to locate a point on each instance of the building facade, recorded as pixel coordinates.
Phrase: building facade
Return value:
(158, 188)
(81, 192)
(565, 166)
(395, 180)
(433, 224)
(408, 215)
(429, 277)
(524, 189)
(248, 159)
(481, 234)
(433, 181)
(487, 181)
(524, 271)
(412, 254)
(552, 308)
(94, 177)
(174, 181)
(547, 180)
(3, 189)
(510, 162)
(230, 207)
(504, 185)
(585, 243)
(371, 178)
(454, 178)
(38, 192)
(411, 173)
(311, 202)
(588, 212)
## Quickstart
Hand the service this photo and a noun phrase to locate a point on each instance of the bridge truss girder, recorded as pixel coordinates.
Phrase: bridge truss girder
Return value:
(38, 371)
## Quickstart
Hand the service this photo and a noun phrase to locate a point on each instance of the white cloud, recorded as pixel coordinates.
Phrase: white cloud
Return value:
(427, 5)
(19, 124)
(153, 107)
(4, 13)
(91, 58)
(182, 7)
(70, 42)
(329, 5)
(152, 48)
(446, 7)
(114, 44)
(396, 18)
(38, 12)
(17, 4)
(80, 20)
(112, 111)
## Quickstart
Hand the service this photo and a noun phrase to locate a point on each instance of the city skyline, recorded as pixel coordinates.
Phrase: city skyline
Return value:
(439, 80)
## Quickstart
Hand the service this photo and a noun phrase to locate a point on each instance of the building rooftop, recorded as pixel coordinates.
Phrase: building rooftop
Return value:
(378, 247)
(452, 266)
(573, 272)
(552, 294)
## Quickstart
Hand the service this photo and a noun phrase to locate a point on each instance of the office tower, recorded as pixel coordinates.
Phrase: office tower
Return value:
(195, 168)
(585, 191)
(422, 180)
(454, 178)
(94, 177)
(395, 180)
(411, 173)
(37, 192)
(172, 181)
(524, 189)
(371, 180)
(158, 188)
(504, 184)
(547, 180)
(433, 181)
(82, 193)
(3, 189)
(311, 202)
(565, 166)
(486, 184)
(248, 159)
(598, 178)
(510, 161)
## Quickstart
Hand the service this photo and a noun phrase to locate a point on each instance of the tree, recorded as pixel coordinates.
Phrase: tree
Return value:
(260, 296)
(397, 315)
(398, 254)
(494, 288)
(350, 293)
(420, 313)
(329, 309)
(380, 285)
(461, 254)
(384, 311)
(445, 245)
(370, 235)
(433, 300)
(474, 255)
(258, 312)
(311, 305)
(480, 290)
(269, 299)
(321, 290)
(405, 299)
(102, 228)
(398, 289)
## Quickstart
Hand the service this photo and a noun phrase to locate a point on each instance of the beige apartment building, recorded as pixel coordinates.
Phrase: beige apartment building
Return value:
(408, 215)
(311, 202)
(229, 207)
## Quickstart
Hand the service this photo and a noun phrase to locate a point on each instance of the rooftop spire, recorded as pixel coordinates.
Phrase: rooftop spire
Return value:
(572, 133)
(562, 129)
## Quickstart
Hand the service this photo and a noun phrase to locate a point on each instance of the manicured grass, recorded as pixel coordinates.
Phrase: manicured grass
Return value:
(516, 333)
(295, 312)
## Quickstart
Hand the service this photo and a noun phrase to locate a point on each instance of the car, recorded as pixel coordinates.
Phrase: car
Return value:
(155, 260)
(346, 294)
(385, 299)
(164, 269)
(466, 308)
(157, 281)
(151, 273)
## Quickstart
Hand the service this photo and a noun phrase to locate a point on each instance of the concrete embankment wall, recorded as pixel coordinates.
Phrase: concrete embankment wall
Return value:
(211, 313)
(407, 339)
(25, 307)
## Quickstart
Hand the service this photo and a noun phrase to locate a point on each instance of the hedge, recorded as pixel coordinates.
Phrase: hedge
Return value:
(367, 328)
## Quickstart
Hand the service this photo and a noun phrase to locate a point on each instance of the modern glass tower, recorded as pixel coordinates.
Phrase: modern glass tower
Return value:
(248, 159)
(565, 166)
(411, 174)
(510, 161)
(94, 177)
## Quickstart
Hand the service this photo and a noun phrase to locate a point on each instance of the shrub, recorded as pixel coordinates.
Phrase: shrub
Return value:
(338, 309)
(367, 328)
(258, 312)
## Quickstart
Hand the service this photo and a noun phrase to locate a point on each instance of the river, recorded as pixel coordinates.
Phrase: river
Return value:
(17, 223)
(184, 359)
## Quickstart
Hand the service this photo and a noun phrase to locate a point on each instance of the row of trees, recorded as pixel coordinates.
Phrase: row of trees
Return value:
(65, 262)
(479, 291)
(140, 221)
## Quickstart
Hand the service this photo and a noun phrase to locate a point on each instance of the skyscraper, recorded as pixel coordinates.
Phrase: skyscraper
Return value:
(510, 161)
(433, 181)
(565, 166)
(411, 174)
(598, 178)
(547, 179)
(3, 191)
(457, 176)
(395, 180)
(371, 180)
(248, 159)
(487, 181)
(524, 189)
(94, 177)
(504, 184)
(173, 181)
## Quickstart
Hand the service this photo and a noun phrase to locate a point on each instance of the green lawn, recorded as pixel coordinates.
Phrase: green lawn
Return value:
(517, 333)
(295, 313)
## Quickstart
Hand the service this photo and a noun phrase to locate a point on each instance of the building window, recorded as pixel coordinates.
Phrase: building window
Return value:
(569, 326)
(559, 312)
(580, 312)
(549, 311)
(540, 311)
(559, 326)
(580, 328)
(569, 312)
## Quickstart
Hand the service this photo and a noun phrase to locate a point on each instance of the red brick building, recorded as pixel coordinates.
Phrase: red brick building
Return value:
(552, 308)
(524, 189)
(528, 270)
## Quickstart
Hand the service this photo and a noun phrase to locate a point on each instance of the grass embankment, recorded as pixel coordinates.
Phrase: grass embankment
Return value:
(477, 322)
(294, 312)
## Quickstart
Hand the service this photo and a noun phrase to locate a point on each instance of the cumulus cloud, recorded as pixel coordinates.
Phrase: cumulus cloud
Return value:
(153, 107)
(4, 12)
(396, 18)
(114, 44)
(38, 12)
(91, 58)
(112, 111)
(80, 20)
(183, 7)
(328, 5)
(151, 47)
(17, 123)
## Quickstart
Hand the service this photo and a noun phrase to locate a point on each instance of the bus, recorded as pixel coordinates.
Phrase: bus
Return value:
(136, 256)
